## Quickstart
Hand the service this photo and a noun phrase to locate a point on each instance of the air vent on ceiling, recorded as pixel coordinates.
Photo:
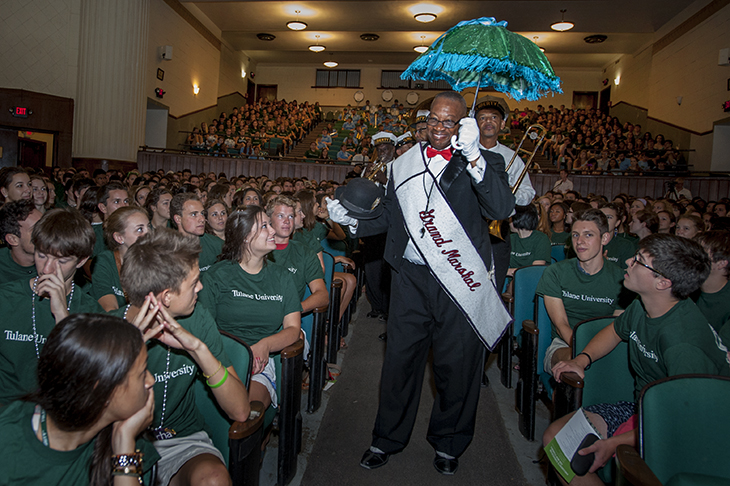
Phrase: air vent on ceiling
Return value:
(595, 39)
(266, 37)
(369, 37)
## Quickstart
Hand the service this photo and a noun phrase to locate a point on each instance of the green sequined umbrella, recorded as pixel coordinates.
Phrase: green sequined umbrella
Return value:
(482, 52)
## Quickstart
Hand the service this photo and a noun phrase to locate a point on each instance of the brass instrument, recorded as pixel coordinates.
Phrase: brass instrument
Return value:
(536, 133)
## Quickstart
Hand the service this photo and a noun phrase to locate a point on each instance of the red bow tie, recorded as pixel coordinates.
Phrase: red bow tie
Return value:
(445, 153)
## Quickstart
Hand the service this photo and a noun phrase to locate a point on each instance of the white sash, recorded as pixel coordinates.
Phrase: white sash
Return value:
(446, 248)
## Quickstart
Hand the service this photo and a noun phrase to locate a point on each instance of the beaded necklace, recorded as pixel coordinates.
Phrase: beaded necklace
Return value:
(35, 333)
(160, 432)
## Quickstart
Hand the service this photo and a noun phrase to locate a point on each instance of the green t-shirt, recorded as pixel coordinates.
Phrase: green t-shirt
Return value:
(212, 246)
(559, 239)
(679, 342)
(633, 238)
(312, 238)
(99, 244)
(9, 270)
(181, 413)
(619, 250)
(584, 296)
(18, 358)
(251, 307)
(25, 460)
(527, 250)
(105, 278)
(716, 307)
(301, 261)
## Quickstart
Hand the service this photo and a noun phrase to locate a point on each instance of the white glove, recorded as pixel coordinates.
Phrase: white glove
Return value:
(338, 213)
(468, 141)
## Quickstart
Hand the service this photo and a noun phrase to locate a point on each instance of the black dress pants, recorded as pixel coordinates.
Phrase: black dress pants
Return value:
(377, 273)
(423, 316)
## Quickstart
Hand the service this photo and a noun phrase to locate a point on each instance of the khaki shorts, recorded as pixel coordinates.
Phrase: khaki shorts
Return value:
(554, 346)
(175, 452)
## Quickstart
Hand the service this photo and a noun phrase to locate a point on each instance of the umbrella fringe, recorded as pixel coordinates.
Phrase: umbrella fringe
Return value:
(537, 84)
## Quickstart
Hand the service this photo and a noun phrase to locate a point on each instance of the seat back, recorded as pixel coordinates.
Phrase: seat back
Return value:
(525, 282)
(557, 253)
(216, 419)
(544, 325)
(684, 426)
(609, 379)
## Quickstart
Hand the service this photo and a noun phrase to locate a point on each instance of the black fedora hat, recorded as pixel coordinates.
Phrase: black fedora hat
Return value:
(361, 197)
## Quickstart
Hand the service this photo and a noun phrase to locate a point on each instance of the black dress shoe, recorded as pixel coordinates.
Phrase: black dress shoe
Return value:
(445, 466)
(373, 460)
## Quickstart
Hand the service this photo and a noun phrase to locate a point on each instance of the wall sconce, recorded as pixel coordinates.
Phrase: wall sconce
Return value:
(196, 89)
(617, 80)
(243, 72)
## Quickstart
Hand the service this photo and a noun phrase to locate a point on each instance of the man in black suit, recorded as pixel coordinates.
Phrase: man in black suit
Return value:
(422, 315)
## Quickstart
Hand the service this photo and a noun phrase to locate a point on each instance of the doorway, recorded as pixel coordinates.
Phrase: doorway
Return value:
(266, 92)
(155, 130)
(585, 100)
(31, 153)
(605, 101)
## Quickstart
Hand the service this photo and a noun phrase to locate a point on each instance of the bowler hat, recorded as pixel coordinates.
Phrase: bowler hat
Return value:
(361, 197)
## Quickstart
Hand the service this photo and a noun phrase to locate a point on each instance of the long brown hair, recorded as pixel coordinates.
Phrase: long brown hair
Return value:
(242, 225)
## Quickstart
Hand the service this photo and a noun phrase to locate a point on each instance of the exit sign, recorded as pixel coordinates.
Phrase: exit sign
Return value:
(20, 112)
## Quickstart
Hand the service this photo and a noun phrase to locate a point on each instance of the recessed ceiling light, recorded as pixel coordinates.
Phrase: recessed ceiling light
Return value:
(296, 24)
(266, 37)
(316, 47)
(425, 17)
(330, 64)
(563, 25)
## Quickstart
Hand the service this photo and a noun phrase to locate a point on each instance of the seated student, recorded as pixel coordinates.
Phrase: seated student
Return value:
(580, 288)
(618, 250)
(689, 226)
(121, 230)
(187, 213)
(157, 205)
(63, 242)
(17, 219)
(14, 184)
(216, 215)
(312, 153)
(714, 298)
(251, 299)
(296, 256)
(111, 196)
(644, 223)
(666, 332)
(529, 247)
(558, 228)
(186, 342)
(94, 397)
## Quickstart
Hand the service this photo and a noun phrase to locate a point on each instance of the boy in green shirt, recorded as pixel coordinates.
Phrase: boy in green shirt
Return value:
(17, 219)
(580, 288)
(185, 341)
(714, 298)
(528, 247)
(618, 250)
(186, 211)
(63, 241)
(667, 336)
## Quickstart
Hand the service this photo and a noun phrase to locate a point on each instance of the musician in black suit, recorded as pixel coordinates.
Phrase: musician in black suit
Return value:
(422, 315)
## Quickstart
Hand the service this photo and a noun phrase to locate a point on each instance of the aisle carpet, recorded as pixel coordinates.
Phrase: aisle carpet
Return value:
(346, 428)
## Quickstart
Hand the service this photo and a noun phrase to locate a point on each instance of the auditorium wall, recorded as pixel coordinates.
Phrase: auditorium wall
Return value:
(297, 82)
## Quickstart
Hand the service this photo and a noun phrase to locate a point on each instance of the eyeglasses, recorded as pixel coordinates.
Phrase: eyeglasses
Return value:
(432, 122)
(636, 260)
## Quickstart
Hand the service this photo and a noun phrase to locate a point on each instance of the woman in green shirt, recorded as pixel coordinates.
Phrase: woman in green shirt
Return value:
(216, 215)
(121, 230)
(251, 299)
(94, 398)
(557, 214)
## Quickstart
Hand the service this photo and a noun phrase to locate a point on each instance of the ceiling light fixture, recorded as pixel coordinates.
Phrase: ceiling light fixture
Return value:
(296, 24)
(563, 25)
(534, 39)
(423, 47)
(425, 17)
(331, 64)
(316, 47)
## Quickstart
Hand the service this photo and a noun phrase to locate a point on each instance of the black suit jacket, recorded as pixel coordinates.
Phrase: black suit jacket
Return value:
(471, 202)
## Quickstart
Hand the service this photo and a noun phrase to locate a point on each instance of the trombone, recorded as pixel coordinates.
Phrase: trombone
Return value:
(537, 134)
